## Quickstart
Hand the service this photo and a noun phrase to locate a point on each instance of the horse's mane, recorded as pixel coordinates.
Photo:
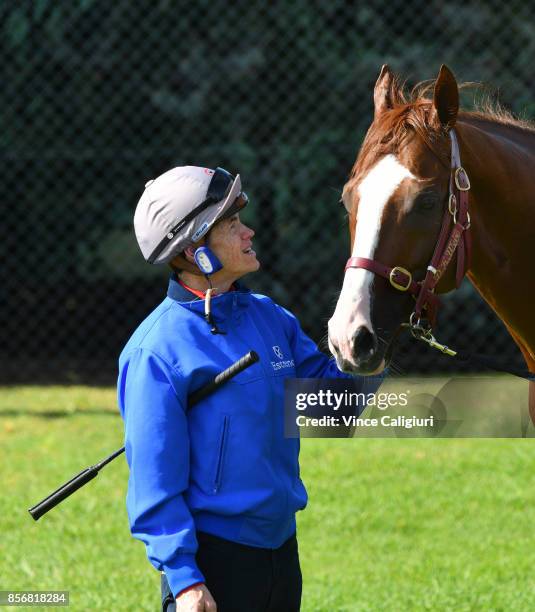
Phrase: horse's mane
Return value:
(411, 111)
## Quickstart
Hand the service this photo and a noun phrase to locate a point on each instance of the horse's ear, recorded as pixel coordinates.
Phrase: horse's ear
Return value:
(445, 98)
(382, 94)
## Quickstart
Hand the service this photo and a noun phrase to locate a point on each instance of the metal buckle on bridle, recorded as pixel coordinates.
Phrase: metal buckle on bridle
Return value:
(468, 222)
(423, 332)
(452, 205)
(417, 328)
(458, 171)
(397, 285)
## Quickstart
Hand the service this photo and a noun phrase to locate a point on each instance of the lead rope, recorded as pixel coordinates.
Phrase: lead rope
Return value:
(424, 334)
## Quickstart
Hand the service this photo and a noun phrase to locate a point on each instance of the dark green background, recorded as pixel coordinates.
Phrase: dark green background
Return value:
(97, 97)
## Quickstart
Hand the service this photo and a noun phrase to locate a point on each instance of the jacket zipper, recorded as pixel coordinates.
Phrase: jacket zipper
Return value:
(220, 457)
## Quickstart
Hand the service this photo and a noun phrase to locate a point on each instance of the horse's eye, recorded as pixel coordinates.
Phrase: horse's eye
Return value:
(426, 201)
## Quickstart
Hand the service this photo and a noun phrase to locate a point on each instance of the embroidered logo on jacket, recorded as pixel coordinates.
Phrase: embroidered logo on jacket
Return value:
(278, 352)
(285, 363)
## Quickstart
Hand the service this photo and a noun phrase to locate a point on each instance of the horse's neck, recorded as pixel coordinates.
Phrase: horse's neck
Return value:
(500, 161)
(499, 154)
(510, 134)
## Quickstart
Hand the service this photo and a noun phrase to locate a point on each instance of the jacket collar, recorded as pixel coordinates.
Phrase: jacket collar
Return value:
(177, 292)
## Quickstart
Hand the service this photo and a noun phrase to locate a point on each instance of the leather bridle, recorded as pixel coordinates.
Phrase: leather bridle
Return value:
(454, 238)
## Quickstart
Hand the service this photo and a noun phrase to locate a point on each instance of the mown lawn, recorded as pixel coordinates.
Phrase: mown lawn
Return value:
(391, 524)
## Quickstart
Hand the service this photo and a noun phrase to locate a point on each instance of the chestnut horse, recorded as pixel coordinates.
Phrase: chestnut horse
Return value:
(406, 181)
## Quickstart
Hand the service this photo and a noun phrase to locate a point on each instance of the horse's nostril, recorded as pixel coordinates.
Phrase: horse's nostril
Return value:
(364, 342)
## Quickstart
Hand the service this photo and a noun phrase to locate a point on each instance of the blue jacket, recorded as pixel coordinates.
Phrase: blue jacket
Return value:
(223, 467)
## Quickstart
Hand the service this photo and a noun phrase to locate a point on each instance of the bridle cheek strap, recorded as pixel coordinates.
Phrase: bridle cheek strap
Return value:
(450, 242)
(456, 240)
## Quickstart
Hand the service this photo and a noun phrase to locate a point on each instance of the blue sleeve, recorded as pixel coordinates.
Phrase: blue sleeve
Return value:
(310, 362)
(157, 452)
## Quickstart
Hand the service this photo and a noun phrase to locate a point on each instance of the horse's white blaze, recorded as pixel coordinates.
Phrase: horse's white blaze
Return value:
(353, 307)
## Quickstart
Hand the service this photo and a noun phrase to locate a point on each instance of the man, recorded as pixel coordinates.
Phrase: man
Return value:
(213, 491)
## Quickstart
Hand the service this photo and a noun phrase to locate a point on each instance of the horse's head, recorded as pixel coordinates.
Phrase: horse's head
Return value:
(395, 198)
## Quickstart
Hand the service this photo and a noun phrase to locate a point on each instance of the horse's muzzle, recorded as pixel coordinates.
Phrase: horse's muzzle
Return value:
(361, 355)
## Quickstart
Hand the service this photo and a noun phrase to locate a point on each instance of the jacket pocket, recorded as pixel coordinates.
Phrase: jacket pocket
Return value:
(221, 454)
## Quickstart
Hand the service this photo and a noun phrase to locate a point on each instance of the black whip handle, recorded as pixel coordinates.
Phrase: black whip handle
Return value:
(89, 473)
(233, 370)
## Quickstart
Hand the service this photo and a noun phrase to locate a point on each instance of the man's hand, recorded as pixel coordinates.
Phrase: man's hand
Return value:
(197, 599)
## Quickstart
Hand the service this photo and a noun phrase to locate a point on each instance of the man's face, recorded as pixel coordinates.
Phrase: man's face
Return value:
(231, 241)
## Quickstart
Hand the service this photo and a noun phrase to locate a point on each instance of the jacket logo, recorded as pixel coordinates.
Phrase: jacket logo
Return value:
(283, 363)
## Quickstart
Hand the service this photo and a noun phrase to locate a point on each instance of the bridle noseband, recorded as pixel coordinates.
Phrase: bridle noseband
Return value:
(452, 239)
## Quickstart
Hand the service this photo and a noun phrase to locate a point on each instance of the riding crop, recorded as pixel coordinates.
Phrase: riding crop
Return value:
(89, 473)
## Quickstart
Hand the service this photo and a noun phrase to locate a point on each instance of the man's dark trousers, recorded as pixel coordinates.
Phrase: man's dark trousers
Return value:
(246, 578)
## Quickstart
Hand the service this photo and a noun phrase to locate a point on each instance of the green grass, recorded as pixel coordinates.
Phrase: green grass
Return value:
(391, 524)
